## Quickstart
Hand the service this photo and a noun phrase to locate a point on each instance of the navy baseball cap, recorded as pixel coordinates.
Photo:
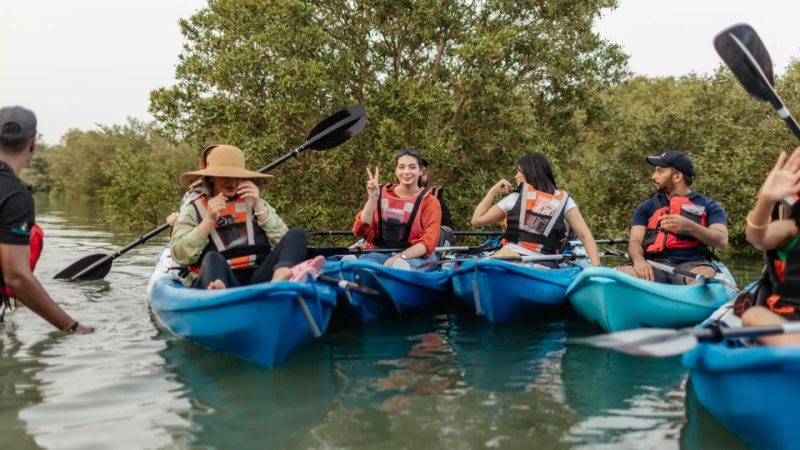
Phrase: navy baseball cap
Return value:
(676, 160)
(17, 123)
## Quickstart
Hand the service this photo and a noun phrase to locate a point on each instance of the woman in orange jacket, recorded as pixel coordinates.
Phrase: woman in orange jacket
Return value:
(403, 215)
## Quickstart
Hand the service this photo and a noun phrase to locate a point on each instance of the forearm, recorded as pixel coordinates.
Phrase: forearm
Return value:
(590, 246)
(28, 290)
(710, 236)
(415, 251)
(636, 251)
(758, 220)
(369, 210)
(483, 207)
(272, 224)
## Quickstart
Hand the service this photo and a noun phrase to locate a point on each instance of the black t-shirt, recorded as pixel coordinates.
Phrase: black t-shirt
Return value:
(17, 210)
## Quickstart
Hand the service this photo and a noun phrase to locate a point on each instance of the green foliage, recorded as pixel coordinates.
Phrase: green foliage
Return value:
(36, 174)
(143, 187)
(472, 84)
(130, 168)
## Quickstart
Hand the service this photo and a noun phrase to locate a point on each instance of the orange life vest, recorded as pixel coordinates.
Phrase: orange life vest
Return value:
(236, 232)
(657, 240)
(36, 243)
(398, 219)
(536, 221)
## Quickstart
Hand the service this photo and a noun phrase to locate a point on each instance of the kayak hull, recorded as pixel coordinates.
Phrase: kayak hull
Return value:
(751, 390)
(615, 301)
(412, 292)
(263, 323)
(500, 290)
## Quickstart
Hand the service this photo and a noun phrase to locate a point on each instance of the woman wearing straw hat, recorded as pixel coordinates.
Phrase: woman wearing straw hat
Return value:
(226, 233)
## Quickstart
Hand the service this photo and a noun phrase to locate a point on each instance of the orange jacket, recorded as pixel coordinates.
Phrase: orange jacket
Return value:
(430, 215)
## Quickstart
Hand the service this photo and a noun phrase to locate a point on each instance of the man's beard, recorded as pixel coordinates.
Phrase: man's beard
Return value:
(665, 188)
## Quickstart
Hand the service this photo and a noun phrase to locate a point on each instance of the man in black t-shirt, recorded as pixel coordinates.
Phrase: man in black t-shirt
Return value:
(17, 211)
(676, 226)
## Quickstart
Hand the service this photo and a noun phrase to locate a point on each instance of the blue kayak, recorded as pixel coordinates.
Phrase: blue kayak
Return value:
(501, 290)
(751, 390)
(410, 291)
(264, 323)
(615, 301)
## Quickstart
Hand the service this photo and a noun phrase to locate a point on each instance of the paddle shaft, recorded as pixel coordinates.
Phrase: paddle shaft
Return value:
(139, 241)
(331, 251)
(350, 233)
(528, 258)
(576, 242)
(687, 274)
(466, 233)
(716, 334)
(349, 285)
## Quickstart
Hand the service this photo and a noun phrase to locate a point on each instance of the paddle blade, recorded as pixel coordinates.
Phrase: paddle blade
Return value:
(743, 52)
(382, 305)
(656, 342)
(97, 273)
(338, 128)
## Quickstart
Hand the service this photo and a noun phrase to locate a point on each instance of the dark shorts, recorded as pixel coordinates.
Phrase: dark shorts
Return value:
(669, 278)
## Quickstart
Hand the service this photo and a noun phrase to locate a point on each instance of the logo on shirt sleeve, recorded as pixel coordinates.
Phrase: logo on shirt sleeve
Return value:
(22, 229)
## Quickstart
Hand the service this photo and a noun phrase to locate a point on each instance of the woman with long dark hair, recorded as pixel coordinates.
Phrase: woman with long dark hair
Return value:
(402, 215)
(538, 216)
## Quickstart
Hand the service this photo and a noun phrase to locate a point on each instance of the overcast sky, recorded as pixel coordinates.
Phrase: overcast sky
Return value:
(82, 62)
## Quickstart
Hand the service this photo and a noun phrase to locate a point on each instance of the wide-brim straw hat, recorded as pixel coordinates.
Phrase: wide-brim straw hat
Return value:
(224, 161)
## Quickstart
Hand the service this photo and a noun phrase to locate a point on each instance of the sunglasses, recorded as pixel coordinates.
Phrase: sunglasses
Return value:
(408, 151)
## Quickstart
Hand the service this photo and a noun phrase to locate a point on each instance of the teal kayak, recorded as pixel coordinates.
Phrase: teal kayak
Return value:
(264, 323)
(615, 301)
(500, 290)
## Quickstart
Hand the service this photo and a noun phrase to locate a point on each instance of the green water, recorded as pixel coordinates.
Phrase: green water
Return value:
(443, 382)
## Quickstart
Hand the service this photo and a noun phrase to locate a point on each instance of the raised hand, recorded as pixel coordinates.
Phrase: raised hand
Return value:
(215, 206)
(249, 192)
(503, 186)
(373, 183)
(784, 179)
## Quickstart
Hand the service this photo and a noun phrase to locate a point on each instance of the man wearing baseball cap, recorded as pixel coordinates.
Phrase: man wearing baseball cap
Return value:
(676, 226)
(17, 136)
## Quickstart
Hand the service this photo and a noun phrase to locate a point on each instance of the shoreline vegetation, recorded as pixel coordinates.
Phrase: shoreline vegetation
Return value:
(474, 87)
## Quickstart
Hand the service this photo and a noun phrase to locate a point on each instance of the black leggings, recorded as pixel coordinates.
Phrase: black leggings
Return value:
(291, 250)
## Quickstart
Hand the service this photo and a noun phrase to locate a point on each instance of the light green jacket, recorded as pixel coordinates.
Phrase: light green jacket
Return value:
(188, 243)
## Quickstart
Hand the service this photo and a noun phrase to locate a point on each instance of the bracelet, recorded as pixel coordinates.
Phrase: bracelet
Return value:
(752, 225)
(73, 326)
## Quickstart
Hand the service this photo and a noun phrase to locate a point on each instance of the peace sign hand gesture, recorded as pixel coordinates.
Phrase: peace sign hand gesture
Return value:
(373, 185)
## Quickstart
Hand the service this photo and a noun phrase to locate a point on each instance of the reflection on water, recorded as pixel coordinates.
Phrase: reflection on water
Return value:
(18, 390)
(235, 404)
(450, 381)
(622, 400)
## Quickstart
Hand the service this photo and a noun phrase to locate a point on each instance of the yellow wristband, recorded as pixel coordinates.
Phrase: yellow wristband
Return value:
(752, 225)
